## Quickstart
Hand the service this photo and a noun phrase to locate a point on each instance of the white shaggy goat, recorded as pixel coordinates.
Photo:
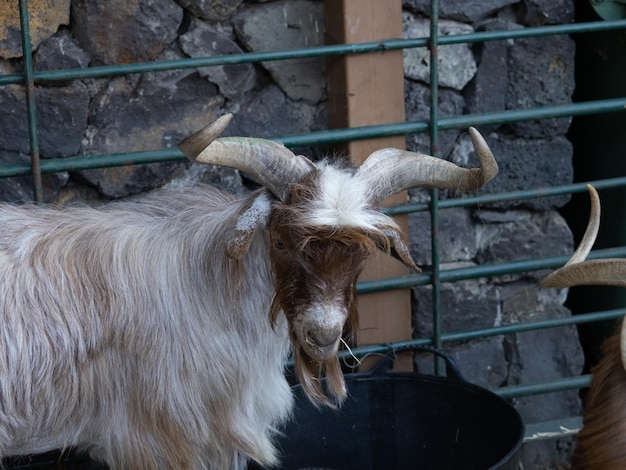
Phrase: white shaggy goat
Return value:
(601, 444)
(153, 334)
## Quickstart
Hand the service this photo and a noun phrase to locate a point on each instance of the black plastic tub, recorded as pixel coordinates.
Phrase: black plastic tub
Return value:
(398, 420)
(55, 460)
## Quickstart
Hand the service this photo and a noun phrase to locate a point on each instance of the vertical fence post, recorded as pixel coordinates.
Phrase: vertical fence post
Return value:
(434, 194)
(368, 89)
(30, 101)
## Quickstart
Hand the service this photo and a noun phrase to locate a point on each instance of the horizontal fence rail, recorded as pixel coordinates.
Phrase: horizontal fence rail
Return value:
(319, 51)
(484, 270)
(327, 137)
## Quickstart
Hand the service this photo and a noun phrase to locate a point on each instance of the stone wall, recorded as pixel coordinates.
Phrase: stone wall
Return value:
(155, 110)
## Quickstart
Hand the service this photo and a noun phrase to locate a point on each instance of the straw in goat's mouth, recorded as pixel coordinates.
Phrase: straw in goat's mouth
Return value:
(316, 349)
(356, 359)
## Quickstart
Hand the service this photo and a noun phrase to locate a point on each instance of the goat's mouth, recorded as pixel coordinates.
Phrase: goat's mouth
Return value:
(319, 351)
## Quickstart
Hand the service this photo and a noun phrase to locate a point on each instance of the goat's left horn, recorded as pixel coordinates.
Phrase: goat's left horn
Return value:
(577, 271)
(596, 272)
(390, 171)
(271, 163)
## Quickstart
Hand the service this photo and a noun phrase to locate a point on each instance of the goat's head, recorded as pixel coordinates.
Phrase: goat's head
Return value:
(579, 271)
(323, 223)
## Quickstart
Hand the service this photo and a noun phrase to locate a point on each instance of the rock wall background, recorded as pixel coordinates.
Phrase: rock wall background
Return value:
(155, 110)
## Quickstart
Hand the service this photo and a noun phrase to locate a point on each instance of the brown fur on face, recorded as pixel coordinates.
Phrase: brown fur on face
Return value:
(317, 265)
(321, 269)
(601, 444)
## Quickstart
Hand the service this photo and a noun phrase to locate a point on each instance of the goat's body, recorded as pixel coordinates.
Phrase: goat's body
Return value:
(126, 323)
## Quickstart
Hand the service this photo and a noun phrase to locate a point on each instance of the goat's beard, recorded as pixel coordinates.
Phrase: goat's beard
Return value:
(310, 371)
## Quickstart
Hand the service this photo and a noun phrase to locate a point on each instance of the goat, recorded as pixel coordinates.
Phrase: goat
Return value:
(601, 443)
(153, 334)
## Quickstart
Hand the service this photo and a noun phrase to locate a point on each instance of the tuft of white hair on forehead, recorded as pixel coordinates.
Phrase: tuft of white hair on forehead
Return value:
(344, 201)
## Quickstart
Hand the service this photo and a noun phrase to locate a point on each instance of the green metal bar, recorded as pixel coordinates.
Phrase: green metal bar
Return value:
(474, 272)
(490, 332)
(35, 168)
(434, 193)
(319, 51)
(539, 31)
(328, 136)
(509, 196)
(458, 122)
(570, 383)
(535, 325)
(54, 165)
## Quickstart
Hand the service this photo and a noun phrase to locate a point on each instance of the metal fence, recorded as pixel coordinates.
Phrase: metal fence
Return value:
(432, 126)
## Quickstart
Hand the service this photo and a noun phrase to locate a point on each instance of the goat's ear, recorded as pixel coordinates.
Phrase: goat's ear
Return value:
(254, 213)
(399, 250)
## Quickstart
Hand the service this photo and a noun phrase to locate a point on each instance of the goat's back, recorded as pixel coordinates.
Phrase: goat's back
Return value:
(122, 332)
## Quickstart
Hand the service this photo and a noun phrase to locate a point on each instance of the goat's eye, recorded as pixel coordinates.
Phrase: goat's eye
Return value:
(279, 245)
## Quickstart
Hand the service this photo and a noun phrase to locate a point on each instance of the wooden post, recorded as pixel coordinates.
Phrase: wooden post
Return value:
(368, 89)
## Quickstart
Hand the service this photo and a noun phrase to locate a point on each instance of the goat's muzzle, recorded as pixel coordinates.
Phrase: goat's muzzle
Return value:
(320, 336)
(321, 347)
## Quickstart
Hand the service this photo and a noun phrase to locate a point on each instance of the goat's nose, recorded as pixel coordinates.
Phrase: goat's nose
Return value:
(323, 337)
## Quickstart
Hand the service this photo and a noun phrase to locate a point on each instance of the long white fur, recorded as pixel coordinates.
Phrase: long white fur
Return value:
(113, 316)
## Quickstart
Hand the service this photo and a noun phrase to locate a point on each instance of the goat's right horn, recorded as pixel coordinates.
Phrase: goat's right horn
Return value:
(271, 163)
(389, 171)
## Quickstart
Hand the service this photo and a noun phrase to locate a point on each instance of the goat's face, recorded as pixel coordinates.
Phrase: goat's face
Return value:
(316, 272)
(321, 235)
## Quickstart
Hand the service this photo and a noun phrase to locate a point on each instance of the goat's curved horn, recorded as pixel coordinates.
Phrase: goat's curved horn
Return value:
(577, 271)
(591, 232)
(390, 171)
(597, 272)
(269, 162)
